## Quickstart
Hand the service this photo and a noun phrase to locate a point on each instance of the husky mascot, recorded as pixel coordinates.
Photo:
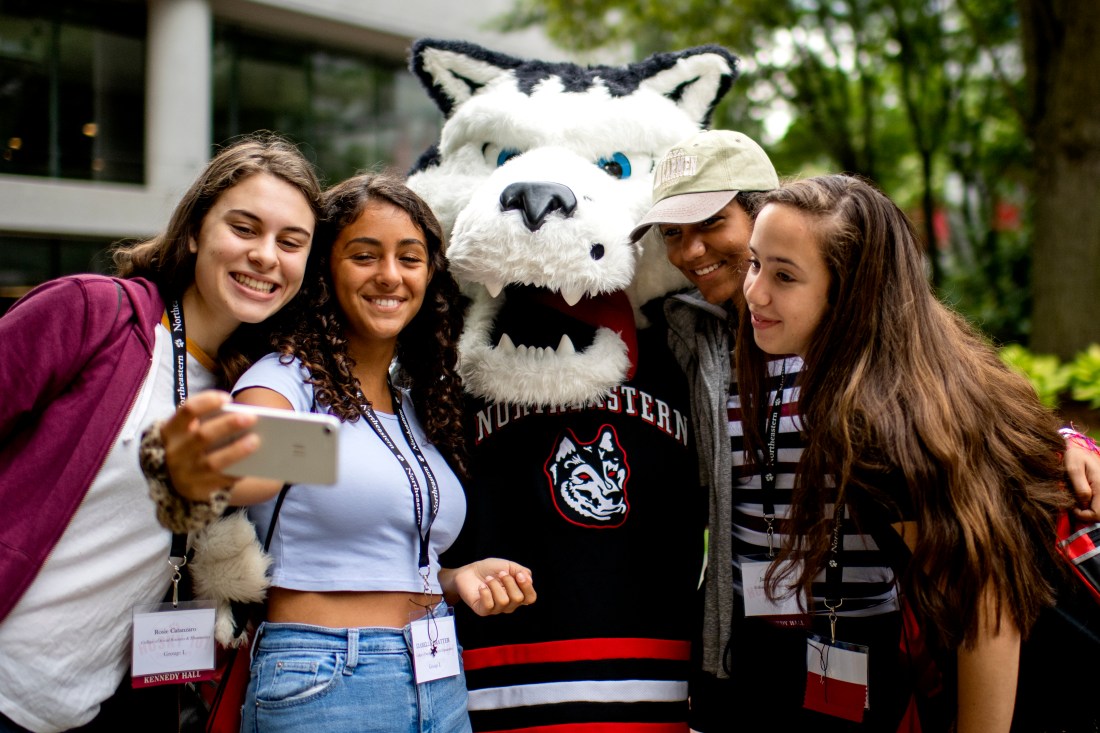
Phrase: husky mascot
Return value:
(583, 464)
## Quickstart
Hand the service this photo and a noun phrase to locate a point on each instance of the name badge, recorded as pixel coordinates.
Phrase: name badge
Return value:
(434, 647)
(757, 602)
(836, 678)
(173, 644)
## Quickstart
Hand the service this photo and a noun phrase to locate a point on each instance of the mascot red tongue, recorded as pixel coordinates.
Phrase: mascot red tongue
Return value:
(583, 466)
(611, 311)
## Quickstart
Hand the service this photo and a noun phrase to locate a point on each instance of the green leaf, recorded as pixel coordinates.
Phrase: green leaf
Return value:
(1085, 376)
(1046, 372)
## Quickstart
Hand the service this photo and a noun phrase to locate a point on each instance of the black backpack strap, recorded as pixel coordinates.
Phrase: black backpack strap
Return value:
(275, 516)
(890, 543)
(282, 492)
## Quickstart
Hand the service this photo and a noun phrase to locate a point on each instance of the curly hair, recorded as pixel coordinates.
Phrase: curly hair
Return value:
(167, 259)
(427, 350)
(896, 384)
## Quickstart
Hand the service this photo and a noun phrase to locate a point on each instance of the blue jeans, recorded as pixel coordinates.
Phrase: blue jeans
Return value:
(312, 678)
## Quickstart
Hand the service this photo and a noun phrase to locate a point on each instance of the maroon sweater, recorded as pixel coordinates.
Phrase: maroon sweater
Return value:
(75, 352)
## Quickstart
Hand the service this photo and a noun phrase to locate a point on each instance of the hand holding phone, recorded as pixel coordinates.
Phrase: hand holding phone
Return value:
(295, 447)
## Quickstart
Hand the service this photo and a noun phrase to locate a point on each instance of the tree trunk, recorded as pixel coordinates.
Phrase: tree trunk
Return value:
(928, 207)
(1062, 53)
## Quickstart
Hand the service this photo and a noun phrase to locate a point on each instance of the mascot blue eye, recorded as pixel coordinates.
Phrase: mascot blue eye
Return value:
(505, 155)
(617, 166)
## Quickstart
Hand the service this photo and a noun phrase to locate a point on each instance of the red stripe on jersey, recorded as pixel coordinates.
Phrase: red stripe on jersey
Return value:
(576, 650)
(1080, 546)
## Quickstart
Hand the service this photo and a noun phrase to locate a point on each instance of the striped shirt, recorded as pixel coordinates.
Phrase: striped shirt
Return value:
(867, 582)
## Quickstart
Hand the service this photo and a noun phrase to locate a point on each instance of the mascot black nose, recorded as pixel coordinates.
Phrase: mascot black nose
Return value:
(536, 199)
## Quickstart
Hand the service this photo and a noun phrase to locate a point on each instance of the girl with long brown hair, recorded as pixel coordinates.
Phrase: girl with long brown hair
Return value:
(910, 422)
(87, 362)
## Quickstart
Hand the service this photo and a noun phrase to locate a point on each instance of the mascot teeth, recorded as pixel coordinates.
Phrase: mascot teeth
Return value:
(572, 296)
(563, 349)
(539, 176)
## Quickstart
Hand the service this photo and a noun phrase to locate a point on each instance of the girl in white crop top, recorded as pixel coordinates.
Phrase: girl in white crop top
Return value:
(358, 634)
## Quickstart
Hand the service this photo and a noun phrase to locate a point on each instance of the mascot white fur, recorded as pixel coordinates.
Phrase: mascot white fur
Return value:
(583, 464)
(573, 149)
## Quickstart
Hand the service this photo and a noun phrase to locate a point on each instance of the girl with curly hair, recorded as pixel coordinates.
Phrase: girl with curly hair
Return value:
(356, 573)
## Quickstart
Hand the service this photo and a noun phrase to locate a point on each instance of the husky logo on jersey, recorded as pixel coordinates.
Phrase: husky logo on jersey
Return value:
(588, 480)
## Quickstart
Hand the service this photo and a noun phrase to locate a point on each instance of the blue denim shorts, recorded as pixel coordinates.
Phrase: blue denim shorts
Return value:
(312, 678)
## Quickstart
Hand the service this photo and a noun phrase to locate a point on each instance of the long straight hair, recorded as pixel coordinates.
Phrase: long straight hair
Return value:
(897, 385)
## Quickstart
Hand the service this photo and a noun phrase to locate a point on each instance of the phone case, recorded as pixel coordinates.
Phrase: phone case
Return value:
(295, 447)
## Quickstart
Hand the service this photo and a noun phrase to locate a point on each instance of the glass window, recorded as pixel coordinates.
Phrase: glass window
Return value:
(25, 45)
(72, 89)
(349, 112)
(28, 260)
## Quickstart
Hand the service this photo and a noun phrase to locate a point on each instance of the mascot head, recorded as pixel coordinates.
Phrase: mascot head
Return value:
(540, 174)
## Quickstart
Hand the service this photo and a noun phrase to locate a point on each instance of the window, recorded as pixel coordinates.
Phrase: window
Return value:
(348, 112)
(72, 89)
(25, 260)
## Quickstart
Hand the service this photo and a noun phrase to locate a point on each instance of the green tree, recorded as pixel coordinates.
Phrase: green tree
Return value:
(1063, 123)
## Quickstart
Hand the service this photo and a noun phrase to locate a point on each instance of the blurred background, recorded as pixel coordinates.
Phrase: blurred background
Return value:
(109, 108)
(980, 117)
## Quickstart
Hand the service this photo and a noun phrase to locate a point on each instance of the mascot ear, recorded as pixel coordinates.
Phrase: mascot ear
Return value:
(453, 71)
(695, 79)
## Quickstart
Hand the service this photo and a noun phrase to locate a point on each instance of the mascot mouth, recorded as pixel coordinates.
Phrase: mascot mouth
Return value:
(539, 318)
(530, 347)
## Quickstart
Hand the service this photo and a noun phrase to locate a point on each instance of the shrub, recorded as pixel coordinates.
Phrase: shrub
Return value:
(1046, 372)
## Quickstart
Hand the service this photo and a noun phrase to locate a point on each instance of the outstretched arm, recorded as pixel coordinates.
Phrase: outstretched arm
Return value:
(184, 459)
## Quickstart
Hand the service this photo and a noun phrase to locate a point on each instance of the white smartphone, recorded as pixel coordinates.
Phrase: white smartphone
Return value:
(296, 447)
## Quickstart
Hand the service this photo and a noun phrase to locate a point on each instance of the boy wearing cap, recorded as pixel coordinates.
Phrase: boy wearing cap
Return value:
(705, 194)
(704, 206)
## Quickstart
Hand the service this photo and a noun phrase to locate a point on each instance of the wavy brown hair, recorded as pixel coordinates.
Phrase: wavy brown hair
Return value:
(427, 350)
(167, 260)
(896, 384)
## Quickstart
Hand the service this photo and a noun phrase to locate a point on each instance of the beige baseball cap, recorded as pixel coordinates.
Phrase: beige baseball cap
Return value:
(700, 175)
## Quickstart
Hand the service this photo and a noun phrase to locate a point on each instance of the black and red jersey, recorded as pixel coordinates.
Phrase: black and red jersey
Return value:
(604, 504)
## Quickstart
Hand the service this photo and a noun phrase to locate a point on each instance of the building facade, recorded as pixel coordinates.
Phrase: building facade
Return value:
(109, 108)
